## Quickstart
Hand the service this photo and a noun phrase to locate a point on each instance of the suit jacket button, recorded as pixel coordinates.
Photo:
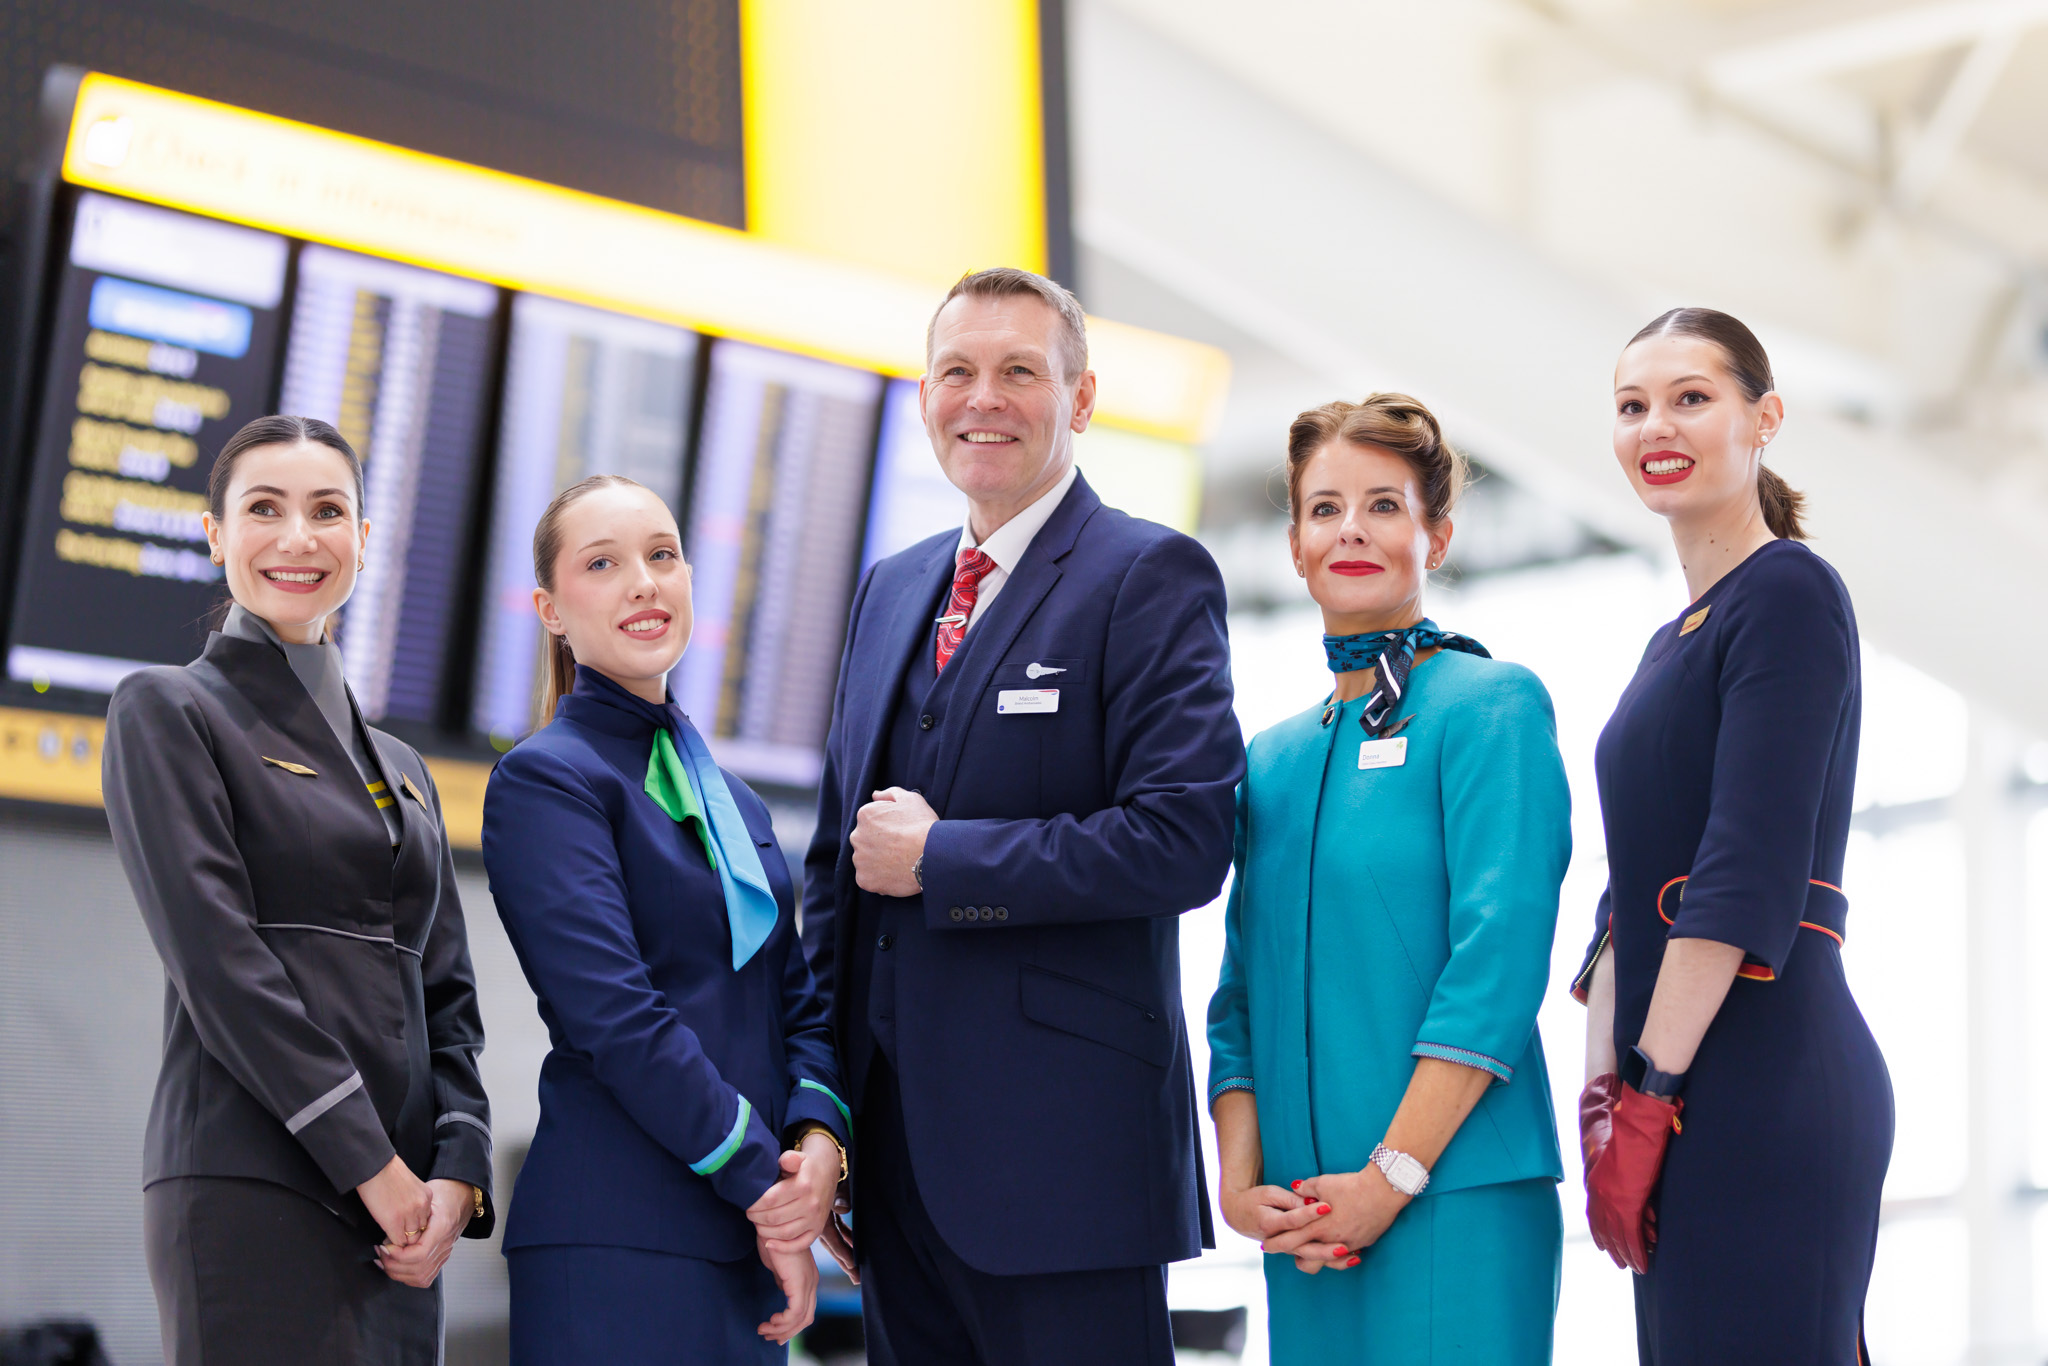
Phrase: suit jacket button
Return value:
(988, 913)
(885, 942)
(1002, 912)
(956, 913)
(973, 913)
(925, 722)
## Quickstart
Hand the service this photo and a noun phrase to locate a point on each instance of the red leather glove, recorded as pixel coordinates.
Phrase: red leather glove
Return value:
(1596, 1116)
(1624, 1177)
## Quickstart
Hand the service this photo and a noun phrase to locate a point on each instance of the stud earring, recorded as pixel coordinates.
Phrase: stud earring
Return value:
(359, 566)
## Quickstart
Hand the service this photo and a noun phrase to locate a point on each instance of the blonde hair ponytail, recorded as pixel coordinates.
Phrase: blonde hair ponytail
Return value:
(558, 676)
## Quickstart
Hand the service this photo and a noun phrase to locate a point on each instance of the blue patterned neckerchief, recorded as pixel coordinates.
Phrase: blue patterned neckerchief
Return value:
(685, 782)
(1392, 655)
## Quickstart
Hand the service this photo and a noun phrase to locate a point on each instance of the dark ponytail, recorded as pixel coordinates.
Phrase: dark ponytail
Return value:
(1782, 505)
(558, 672)
(1751, 367)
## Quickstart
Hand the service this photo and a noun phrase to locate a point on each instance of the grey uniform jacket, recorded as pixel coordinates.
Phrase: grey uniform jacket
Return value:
(320, 1012)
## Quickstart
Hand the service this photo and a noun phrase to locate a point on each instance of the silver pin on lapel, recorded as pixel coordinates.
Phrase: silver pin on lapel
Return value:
(1036, 670)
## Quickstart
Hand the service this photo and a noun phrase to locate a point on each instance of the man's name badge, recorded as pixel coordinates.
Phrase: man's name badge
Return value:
(1383, 753)
(1026, 701)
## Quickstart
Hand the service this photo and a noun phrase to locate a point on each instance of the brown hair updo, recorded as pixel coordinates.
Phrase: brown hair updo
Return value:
(558, 674)
(1393, 422)
(1751, 368)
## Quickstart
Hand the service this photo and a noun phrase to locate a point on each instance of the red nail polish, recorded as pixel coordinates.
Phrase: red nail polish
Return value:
(1322, 1209)
(1297, 1185)
(1352, 1262)
(1341, 1252)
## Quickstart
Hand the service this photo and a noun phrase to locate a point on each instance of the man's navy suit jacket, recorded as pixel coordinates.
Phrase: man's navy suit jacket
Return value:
(1042, 1056)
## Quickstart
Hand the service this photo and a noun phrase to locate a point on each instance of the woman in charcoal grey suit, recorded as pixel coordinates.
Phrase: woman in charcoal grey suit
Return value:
(319, 1137)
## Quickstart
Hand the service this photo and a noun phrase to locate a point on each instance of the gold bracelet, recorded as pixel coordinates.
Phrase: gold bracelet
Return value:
(813, 1127)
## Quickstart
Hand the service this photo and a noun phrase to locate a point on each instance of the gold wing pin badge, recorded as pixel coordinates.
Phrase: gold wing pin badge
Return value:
(1692, 623)
(290, 767)
(406, 785)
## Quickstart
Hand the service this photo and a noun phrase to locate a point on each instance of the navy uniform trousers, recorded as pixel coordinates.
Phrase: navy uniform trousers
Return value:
(923, 1304)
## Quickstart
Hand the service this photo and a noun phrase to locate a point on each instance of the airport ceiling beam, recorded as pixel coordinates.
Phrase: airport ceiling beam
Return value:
(1826, 47)
(1370, 282)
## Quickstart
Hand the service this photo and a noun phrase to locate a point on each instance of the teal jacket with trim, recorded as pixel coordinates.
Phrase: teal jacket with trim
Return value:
(1431, 893)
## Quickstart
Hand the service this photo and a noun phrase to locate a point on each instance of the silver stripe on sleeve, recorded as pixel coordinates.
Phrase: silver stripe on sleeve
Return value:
(345, 934)
(458, 1117)
(325, 1103)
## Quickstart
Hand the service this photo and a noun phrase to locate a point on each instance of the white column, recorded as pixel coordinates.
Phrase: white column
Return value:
(2000, 1235)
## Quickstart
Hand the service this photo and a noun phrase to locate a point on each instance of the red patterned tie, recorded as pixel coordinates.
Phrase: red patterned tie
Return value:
(967, 576)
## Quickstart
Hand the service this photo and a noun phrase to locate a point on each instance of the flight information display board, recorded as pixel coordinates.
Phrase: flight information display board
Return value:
(778, 503)
(171, 330)
(912, 497)
(398, 359)
(164, 341)
(586, 392)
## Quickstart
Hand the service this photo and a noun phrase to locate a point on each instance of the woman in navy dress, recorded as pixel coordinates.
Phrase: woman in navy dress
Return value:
(1737, 1118)
(691, 1138)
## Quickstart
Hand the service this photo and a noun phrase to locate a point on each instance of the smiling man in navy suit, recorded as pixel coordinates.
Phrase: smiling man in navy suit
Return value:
(1029, 777)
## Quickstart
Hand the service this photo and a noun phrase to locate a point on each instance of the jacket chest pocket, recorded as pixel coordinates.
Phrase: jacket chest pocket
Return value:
(321, 822)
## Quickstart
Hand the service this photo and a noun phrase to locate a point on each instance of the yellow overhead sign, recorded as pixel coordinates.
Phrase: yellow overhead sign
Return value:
(908, 136)
(350, 192)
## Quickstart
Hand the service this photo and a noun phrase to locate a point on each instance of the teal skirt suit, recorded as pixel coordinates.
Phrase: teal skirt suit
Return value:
(1405, 913)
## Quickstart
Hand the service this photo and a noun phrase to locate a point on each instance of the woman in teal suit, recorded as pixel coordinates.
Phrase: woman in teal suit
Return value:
(1382, 1110)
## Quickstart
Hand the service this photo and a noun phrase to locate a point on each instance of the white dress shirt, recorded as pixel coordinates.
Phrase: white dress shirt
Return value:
(1007, 543)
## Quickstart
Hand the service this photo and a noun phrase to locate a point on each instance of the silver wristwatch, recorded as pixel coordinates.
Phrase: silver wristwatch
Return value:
(917, 872)
(1403, 1172)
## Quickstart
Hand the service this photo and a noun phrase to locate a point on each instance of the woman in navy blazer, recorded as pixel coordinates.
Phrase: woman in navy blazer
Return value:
(692, 1137)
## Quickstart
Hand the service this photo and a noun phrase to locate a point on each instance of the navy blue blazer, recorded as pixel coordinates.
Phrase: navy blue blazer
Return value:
(620, 924)
(1043, 1056)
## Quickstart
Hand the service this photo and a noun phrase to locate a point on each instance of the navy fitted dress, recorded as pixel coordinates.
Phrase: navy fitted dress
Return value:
(1725, 781)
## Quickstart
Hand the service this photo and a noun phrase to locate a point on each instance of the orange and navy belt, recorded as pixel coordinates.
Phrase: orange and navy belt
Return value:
(1827, 912)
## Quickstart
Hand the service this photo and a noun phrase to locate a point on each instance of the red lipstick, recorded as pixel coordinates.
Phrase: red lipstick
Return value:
(1356, 569)
(1667, 475)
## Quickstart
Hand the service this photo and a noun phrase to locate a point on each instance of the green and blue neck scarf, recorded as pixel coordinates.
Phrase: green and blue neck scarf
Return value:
(685, 782)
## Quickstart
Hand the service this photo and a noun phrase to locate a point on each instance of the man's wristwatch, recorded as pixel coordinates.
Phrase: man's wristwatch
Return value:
(917, 872)
(1403, 1172)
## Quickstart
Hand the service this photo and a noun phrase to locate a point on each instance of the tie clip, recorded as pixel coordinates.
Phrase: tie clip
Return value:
(951, 619)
